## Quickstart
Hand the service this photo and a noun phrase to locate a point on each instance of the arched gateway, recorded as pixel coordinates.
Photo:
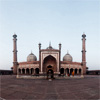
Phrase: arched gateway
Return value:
(49, 62)
(49, 57)
(50, 72)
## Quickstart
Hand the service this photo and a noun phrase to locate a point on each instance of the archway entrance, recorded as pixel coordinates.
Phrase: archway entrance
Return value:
(71, 70)
(37, 71)
(76, 71)
(48, 62)
(50, 72)
(23, 71)
(80, 71)
(62, 71)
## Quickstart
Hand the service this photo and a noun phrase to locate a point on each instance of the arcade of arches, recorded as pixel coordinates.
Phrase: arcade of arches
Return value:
(49, 65)
(70, 70)
(63, 71)
(28, 71)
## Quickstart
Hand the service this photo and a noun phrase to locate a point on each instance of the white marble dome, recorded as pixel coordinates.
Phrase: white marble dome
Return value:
(68, 57)
(31, 57)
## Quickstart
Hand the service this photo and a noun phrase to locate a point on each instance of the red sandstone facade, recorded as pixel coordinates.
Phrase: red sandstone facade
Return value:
(49, 61)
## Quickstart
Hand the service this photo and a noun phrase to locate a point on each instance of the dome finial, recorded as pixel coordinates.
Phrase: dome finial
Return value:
(31, 51)
(67, 52)
(50, 44)
(83, 35)
(14, 35)
(50, 47)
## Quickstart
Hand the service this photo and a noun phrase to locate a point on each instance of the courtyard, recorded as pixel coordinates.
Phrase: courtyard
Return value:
(86, 88)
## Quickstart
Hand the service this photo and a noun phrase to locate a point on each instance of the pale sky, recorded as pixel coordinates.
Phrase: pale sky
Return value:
(58, 21)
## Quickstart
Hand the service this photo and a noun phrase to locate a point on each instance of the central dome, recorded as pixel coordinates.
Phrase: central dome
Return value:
(50, 47)
(31, 57)
(67, 57)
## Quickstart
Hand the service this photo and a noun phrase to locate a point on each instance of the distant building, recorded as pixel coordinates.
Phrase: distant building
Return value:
(6, 72)
(93, 72)
(49, 61)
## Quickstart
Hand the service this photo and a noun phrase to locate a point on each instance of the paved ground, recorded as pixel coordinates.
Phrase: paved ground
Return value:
(64, 89)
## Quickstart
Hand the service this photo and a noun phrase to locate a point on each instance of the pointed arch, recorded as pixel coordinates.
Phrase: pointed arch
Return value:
(50, 61)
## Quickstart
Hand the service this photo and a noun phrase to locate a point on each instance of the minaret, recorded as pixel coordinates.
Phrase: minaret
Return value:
(59, 46)
(59, 56)
(39, 57)
(15, 63)
(83, 53)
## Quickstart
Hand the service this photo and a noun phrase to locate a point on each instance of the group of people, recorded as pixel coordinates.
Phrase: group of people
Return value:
(71, 74)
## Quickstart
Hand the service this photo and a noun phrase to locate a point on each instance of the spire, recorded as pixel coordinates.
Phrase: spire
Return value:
(39, 46)
(67, 52)
(31, 52)
(60, 46)
(50, 44)
(50, 47)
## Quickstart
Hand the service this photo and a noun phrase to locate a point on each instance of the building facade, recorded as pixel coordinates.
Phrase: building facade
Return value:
(49, 61)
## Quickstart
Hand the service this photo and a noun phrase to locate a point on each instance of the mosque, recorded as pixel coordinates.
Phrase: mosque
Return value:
(49, 62)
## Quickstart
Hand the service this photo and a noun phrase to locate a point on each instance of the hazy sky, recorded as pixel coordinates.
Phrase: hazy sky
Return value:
(58, 21)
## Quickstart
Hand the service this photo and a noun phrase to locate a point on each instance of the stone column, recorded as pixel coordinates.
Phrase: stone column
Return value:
(81, 72)
(33, 72)
(77, 71)
(29, 71)
(69, 70)
(17, 71)
(21, 71)
(25, 70)
(64, 72)
(74, 71)
(17, 76)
